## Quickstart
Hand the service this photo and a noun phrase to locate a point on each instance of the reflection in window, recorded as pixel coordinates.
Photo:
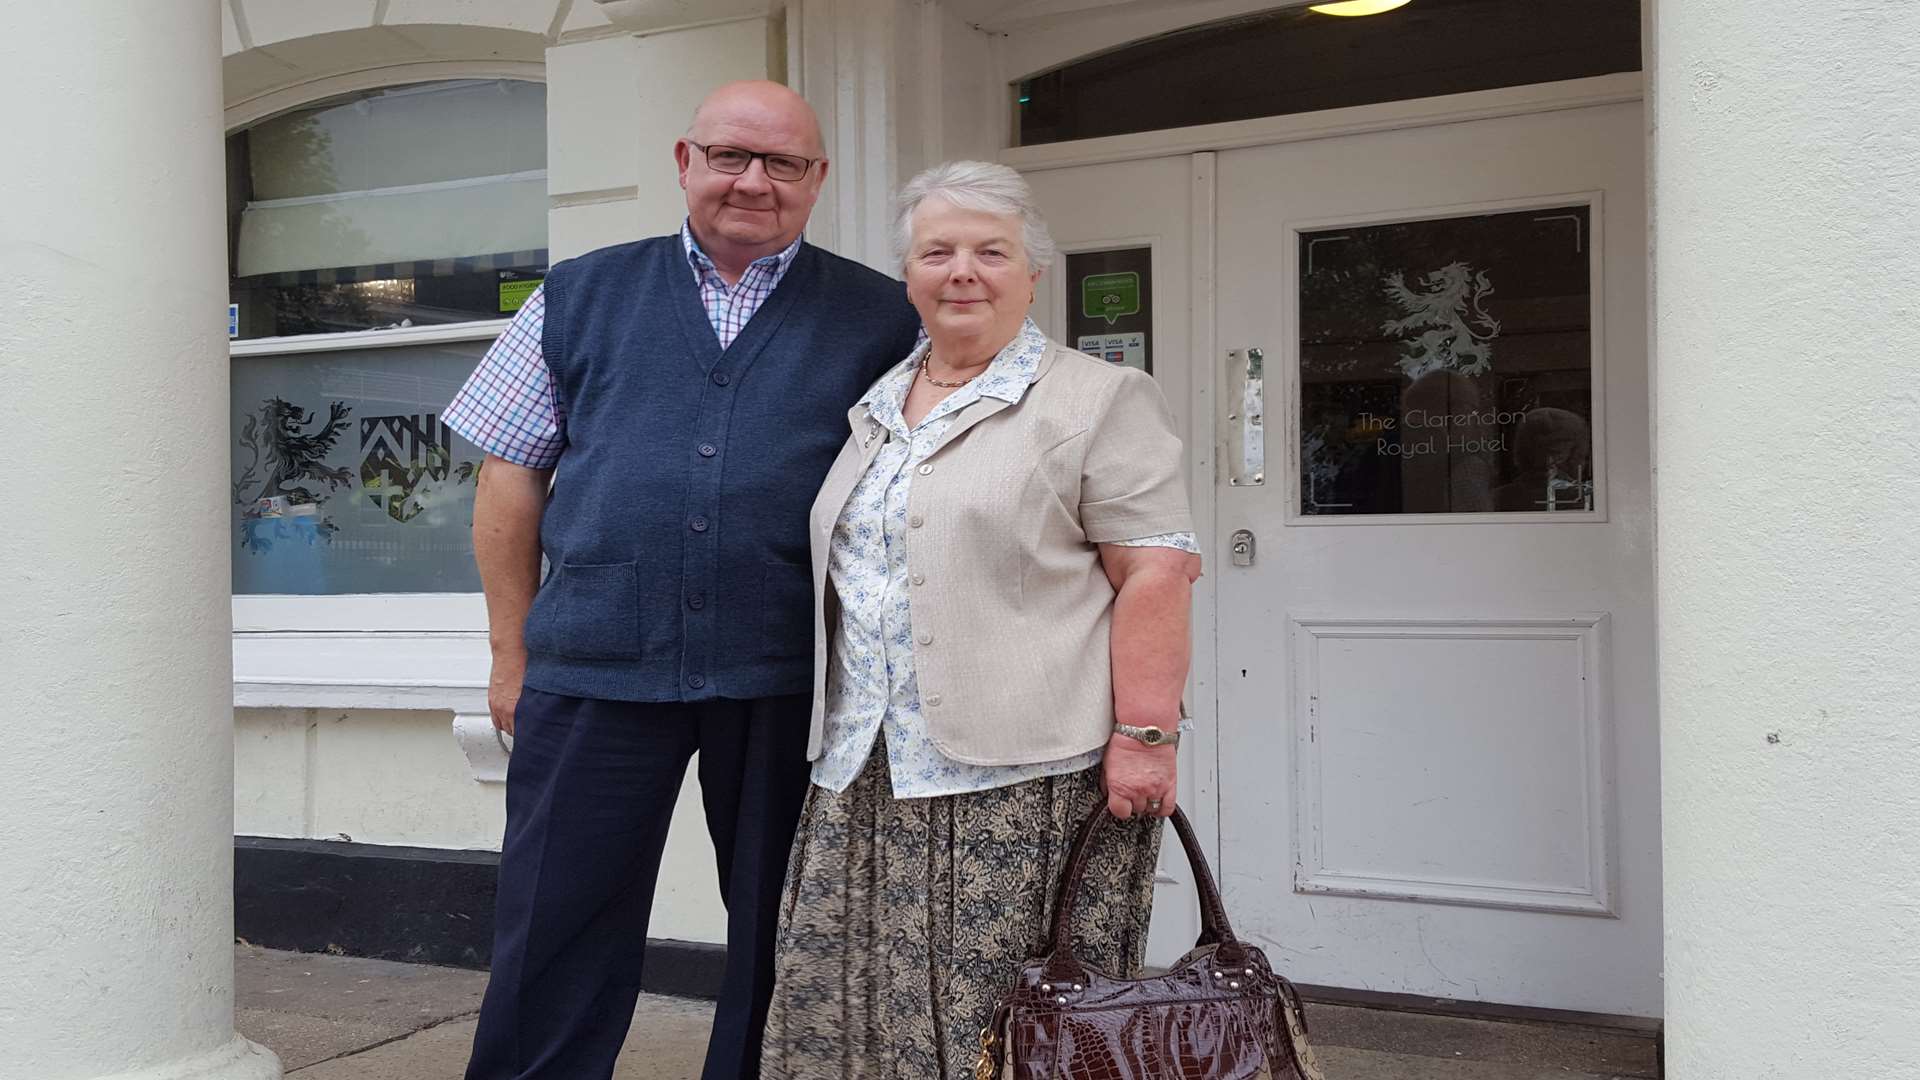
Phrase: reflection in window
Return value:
(1446, 366)
(1293, 60)
(402, 207)
(345, 480)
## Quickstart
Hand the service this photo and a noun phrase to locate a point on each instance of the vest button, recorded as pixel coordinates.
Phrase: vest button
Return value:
(720, 378)
(933, 701)
(707, 449)
(919, 579)
(916, 521)
(696, 681)
(696, 601)
(925, 470)
(925, 638)
(698, 524)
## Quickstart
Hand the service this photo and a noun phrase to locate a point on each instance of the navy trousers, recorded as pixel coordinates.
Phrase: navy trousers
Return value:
(590, 790)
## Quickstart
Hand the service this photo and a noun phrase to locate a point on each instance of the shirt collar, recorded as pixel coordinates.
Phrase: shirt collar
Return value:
(702, 264)
(1014, 368)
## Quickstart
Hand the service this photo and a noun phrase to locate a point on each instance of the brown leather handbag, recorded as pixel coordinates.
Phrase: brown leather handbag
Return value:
(1221, 1013)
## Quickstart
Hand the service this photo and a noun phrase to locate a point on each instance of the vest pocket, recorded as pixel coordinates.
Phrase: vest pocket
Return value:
(786, 609)
(589, 612)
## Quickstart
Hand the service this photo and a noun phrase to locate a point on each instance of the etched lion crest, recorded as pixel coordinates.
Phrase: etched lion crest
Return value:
(288, 447)
(1450, 329)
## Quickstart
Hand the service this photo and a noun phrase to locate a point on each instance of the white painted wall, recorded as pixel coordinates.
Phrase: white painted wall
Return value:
(114, 617)
(614, 108)
(390, 776)
(1787, 209)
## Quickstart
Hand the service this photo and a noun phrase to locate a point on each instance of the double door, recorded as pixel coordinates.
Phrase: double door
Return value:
(1411, 371)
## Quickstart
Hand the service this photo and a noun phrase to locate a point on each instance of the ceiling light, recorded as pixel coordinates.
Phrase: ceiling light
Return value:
(1359, 7)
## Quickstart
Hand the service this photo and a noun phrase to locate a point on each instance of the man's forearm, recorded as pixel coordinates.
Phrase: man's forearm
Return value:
(506, 547)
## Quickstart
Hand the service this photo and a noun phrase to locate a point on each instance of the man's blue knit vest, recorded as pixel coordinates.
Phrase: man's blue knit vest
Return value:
(676, 535)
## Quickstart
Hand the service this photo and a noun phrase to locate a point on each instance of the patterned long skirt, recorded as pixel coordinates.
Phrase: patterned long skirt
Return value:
(905, 920)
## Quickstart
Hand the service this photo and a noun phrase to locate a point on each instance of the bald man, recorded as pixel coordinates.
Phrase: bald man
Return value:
(657, 418)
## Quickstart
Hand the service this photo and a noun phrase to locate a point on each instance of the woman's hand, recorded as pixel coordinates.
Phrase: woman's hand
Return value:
(1136, 774)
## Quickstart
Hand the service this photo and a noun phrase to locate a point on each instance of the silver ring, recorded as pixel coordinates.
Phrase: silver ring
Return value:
(1153, 804)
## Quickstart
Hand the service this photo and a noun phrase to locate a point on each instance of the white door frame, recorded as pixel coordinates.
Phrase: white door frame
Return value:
(1199, 144)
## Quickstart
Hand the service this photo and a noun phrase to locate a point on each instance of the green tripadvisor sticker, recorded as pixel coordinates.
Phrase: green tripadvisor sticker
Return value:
(1109, 296)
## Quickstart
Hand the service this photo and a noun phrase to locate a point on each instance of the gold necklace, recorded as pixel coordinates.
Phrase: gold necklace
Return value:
(928, 375)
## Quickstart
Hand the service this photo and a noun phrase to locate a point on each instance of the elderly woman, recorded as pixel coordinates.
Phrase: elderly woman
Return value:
(1002, 561)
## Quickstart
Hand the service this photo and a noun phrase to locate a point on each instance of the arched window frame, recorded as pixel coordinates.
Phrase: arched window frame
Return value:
(387, 650)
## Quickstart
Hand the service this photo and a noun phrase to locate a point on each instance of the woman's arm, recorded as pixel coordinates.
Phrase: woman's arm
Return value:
(1151, 639)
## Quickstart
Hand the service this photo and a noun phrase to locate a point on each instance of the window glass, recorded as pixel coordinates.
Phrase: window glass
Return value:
(1296, 60)
(1446, 365)
(345, 480)
(407, 206)
(1110, 305)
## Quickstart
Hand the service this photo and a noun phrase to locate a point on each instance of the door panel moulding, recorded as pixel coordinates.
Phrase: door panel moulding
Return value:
(1591, 890)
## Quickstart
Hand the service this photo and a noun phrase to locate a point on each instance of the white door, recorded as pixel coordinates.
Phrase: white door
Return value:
(1438, 768)
(1139, 213)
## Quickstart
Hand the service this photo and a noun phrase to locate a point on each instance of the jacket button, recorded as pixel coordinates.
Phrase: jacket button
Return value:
(707, 449)
(925, 638)
(698, 524)
(915, 521)
(925, 470)
(720, 378)
(696, 601)
(696, 681)
(933, 701)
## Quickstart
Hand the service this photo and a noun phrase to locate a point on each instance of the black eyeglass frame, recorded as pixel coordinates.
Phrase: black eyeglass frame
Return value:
(706, 154)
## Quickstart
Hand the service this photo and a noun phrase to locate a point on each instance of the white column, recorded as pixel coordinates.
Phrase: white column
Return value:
(1787, 228)
(115, 659)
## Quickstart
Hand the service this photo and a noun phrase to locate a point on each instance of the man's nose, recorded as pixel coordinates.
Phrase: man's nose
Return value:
(755, 179)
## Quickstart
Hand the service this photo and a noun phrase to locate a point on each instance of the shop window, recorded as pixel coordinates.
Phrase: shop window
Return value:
(411, 206)
(416, 216)
(344, 478)
(1296, 60)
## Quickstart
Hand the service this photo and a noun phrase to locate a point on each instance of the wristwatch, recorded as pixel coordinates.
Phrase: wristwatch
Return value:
(1149, 735)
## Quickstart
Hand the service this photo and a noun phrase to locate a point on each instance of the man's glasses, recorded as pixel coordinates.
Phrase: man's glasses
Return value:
(733, 161)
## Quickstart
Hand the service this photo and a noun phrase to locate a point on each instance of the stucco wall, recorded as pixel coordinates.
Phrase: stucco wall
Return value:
(1787, 214)
(396, 777)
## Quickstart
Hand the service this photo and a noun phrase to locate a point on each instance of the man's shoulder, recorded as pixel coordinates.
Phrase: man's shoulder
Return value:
(851, 274)
(612, 257)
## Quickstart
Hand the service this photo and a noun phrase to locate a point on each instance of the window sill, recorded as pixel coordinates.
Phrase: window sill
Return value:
(376, 669)
(481, 330)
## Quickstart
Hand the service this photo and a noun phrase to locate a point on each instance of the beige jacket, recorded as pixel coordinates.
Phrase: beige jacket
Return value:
(1011, 608)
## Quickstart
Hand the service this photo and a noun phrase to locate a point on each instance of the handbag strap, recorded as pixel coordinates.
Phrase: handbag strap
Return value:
(1063, 966)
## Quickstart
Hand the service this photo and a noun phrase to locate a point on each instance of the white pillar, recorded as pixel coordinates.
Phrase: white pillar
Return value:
(115, 658)
(1787, 227)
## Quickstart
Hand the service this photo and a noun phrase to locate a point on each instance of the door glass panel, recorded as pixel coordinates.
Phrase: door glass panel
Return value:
(345, 480)
(1110, 305)
(1446, 366)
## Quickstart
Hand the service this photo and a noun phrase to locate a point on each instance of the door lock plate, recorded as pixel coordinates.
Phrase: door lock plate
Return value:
(1242, 546)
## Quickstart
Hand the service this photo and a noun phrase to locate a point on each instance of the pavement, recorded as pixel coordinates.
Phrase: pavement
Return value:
(350, 1018)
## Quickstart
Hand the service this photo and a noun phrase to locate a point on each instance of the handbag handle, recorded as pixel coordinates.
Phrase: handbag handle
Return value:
(1063, 966)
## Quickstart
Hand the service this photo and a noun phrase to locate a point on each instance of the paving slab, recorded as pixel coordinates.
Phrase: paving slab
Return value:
(668, 1042)
(309, 1007)
(348, 1018)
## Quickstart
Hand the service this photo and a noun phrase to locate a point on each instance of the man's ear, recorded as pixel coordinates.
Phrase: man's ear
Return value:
(682, 158)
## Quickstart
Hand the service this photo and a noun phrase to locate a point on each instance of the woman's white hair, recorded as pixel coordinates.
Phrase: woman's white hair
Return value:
(975, 185)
